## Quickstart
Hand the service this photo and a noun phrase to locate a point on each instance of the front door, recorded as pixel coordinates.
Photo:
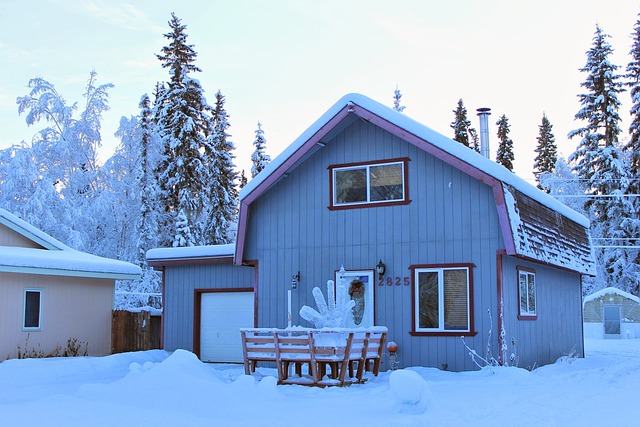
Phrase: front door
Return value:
(611, 321)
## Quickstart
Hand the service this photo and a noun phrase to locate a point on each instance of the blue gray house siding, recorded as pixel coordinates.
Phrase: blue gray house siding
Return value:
(464, 209)
(452, 218)
(557, 330)
(181, 283)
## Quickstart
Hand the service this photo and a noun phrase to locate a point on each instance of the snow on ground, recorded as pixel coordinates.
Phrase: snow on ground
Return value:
(157, 388)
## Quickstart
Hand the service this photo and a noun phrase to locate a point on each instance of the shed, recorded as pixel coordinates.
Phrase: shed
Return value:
(50, 293)
(611, 313)
(445, 242)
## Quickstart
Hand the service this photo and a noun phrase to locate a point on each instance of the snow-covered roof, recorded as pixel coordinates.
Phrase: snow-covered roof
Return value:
(572, 253)
(610, 290)
(541, 234)
(190, 253)
(56, 258)
(442, 142)
(64, 263)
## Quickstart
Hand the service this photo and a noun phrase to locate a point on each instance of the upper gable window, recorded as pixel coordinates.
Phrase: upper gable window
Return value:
(371, 183)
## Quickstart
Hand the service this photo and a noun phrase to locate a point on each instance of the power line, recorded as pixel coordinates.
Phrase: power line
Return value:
(615, 247)
(595, 195)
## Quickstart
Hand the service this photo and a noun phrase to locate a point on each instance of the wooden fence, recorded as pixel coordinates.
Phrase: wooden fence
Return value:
(134, 331)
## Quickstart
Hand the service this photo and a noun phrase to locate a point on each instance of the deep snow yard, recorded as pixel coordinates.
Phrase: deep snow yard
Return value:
(160, 389)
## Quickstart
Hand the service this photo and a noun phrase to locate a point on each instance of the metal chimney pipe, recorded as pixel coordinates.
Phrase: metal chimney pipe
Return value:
(484, 114)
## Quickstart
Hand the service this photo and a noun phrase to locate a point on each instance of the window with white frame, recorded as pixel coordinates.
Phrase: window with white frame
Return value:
(442, 298)
(32, 318)
(527, 293)
(369, 183)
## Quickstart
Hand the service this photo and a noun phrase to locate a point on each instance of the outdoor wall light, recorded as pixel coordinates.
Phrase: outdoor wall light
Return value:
(295, 279)
(380, 269)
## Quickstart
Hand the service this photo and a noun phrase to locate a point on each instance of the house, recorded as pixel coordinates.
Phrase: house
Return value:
(441, 242)
(611, 313)
(50, 293)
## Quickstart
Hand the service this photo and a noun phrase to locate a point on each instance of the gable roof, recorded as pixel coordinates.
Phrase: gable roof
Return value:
(610, 290)
(575, 248)
(56, 258)
(30, 232)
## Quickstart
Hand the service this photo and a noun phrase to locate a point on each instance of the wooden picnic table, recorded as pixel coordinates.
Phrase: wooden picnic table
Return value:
(335, 356)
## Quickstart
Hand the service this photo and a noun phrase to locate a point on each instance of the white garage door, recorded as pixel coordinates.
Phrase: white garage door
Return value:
(222, 314)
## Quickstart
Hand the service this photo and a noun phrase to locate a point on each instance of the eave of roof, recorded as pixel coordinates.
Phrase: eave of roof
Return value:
(64, 263)
(208, 254)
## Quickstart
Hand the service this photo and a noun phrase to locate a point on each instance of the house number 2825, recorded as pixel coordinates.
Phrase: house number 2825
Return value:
(397, 281)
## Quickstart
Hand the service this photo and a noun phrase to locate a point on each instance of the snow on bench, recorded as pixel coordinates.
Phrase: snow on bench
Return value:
(337, 349)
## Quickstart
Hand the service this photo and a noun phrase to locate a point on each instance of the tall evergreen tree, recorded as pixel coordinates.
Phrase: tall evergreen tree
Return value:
(504, 155)
(633, 146)
(545, 160)
(221, 216)
(599, 108)
(598, 162)
(147, 226)
(259, 158)
(397, 95)
(462, 130)
(183, 125)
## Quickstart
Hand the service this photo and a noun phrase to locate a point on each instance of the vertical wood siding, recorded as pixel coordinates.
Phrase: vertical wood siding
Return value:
(452, 218)
(557, 331)
(180, 285)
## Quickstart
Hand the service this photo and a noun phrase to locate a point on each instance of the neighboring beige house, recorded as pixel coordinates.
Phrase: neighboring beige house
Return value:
(611, 313)
(50, 293)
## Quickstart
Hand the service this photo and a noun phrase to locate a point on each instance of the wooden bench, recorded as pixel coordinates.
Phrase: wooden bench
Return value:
(329, 353)
(257, 346)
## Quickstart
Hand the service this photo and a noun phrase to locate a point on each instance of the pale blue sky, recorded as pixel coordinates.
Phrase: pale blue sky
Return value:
(286, 62)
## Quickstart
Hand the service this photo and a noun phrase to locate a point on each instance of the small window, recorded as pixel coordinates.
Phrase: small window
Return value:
(32, 309)
(369, 184)
(442, 298)
(527, 293)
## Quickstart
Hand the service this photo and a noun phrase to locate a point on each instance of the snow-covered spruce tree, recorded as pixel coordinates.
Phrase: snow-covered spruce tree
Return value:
(633, 145)
(243, 179)
(475, 140)
(504, 155)
(545, 160)
(599, 109)
(221, 213)
(183, 122)
(462, 130)
(397, 95)
(183, 236)
(598, 162)
(259, 159)
(148, 154)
